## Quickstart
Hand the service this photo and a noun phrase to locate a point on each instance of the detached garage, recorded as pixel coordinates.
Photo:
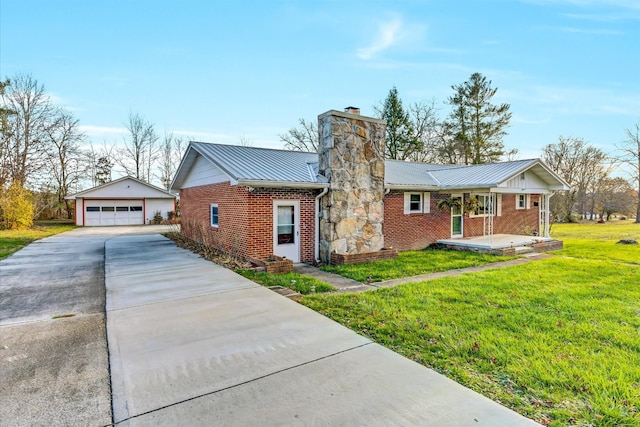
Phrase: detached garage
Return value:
(125, 201)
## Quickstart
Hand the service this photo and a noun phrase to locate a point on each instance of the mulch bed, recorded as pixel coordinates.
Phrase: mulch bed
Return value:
(211, 254)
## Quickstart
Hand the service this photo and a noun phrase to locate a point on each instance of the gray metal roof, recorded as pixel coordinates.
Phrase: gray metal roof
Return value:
(261, 164)
(480, 176)
(264, 166)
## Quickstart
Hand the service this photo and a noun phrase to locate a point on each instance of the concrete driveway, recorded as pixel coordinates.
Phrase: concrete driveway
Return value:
(53, 368)
(192, 343)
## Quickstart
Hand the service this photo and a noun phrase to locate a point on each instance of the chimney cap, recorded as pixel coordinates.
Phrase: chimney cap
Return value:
(352, 110)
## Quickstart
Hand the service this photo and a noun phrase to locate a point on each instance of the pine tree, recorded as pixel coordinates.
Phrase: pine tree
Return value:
(476, 126)
(401, 141)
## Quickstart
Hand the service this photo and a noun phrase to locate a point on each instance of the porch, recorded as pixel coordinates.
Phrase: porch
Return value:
(502, 244)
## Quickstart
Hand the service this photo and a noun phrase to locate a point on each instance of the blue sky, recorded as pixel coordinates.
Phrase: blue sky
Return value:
(218, 71)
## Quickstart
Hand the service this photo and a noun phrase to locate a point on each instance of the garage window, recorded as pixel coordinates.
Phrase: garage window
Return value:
(214, 215)
(93, 208)
(135, 208)
(122, 208)
(107, 209)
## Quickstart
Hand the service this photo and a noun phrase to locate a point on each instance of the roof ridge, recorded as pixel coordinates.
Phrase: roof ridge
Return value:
(252, 148)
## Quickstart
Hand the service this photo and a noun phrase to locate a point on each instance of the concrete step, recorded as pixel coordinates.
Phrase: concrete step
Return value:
(521, 250)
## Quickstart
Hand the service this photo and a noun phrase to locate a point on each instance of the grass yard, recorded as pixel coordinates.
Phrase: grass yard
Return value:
(557, 340)
(298, 282)
(597, 241)
(13, 240)
(413, 263)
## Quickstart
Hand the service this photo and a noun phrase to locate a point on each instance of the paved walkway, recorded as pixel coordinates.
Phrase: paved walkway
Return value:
(344, 285)
(192, 343)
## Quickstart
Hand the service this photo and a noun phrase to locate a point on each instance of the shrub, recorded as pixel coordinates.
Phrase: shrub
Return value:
(157, 217)
(16, 205)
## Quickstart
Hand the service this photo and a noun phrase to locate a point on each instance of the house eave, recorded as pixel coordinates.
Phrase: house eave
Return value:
(281, 184)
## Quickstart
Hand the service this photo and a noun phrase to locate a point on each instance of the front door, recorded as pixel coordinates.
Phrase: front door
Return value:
(456, 216)
(286, 229)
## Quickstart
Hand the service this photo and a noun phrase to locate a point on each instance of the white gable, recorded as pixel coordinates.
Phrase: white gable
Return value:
(203, 172)
(124, 189)
(526, 182)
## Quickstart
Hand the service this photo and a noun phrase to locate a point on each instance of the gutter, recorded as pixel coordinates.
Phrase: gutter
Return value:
(316, 247)
(281, 184)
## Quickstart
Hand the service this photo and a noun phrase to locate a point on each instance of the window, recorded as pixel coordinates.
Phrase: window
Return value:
(484, 206)
(416, 203)
(214, 215)
(522, 201)
(522, 176)
(135, 208)
(122, 208)
(107, 209)
(93, 208)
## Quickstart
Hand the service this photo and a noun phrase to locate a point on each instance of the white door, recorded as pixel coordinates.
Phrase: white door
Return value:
(286, 229)
(113, 212)
(456, 217)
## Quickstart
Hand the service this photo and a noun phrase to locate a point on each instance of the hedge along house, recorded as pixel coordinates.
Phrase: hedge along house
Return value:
(124, 201)
(347, 202)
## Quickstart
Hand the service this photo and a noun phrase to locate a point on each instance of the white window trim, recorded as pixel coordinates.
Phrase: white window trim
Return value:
(498, 207)
(527, 201)
(425, 202)
(212, 205)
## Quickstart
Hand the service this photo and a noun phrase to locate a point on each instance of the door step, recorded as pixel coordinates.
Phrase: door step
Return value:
(521, 250)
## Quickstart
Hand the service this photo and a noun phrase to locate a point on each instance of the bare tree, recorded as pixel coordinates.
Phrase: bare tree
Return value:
(24, 133)
(98, 162)
(303, 138)
(427, 130)
(140, 151)
(630, 155)
(64, 156)
(579, 164)
(615, 195)
(171, 150)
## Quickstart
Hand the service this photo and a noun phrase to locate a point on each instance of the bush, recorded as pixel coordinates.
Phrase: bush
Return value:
(16, 205)
(171, 215)
(157, 217)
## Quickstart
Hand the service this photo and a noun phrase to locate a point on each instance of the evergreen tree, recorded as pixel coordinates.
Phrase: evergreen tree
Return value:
(401, 139)
(476, 126)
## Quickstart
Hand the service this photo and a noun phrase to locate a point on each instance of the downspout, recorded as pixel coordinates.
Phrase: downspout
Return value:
(316, 248)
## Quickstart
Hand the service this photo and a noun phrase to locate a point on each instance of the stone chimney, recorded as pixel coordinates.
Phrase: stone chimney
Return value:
(351, 156)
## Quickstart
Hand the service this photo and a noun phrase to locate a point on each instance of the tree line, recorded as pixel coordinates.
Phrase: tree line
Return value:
(472, 133)
(45, 156)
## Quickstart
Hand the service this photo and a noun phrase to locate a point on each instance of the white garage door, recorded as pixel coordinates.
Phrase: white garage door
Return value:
(113, 212)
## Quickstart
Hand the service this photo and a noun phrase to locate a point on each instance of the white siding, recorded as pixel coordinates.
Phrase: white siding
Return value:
(79, 211)
(125, 189)
(203, 172)
(530, 181)
(153, 205)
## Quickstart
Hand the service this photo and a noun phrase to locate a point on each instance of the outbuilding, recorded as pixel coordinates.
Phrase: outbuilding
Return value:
(124, 201)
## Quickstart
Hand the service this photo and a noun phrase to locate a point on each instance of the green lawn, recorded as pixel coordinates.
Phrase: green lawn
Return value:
(413, 263)
(13, 240)
(598, 241)
(557, 340)
(298, 282)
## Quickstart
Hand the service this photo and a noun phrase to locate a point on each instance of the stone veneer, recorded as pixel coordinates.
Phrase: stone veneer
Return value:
(351, 156)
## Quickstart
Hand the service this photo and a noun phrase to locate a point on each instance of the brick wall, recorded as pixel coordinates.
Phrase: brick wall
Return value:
(419, 230)
(245, 218)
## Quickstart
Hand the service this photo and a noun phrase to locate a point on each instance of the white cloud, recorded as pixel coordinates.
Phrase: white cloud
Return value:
(389, 33)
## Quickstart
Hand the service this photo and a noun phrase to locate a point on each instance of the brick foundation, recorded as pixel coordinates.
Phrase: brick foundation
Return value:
(275, 265)
(384, 253)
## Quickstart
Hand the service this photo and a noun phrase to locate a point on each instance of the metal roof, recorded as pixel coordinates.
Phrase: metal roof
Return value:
(480, 176)
(261, 164)
(282, 168)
